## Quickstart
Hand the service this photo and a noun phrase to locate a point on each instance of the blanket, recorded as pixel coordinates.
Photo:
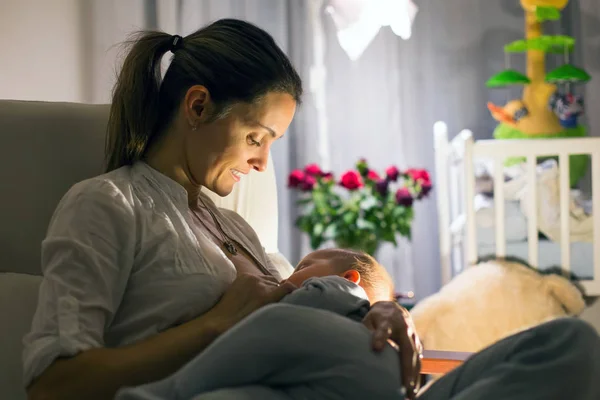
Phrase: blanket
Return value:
(311, 345)
(516, 189)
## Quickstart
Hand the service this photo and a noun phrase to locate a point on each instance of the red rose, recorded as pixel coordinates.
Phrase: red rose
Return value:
(313, 170)
(392, 173)
(418, 175)
(425, 190)
(296, 178)
(372, 175)
(404, 197)
(309, 183)
(351, 180)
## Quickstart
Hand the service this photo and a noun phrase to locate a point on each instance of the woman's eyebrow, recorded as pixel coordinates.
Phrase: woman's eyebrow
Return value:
(271, 131)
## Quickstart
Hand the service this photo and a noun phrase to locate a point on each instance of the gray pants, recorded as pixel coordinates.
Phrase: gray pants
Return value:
(556, 360)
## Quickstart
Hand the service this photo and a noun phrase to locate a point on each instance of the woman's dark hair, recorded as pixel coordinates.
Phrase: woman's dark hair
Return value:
(235, 60)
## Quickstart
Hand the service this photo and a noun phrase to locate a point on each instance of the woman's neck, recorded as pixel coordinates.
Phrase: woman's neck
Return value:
(168, 163)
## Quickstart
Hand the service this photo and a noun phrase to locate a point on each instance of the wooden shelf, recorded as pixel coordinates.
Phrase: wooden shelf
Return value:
(438, 362)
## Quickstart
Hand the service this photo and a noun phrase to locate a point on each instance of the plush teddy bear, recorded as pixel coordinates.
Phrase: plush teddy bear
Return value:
(490, 301)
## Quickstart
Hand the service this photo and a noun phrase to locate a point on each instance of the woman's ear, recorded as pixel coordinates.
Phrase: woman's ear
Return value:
(196, 103)
(352, 275)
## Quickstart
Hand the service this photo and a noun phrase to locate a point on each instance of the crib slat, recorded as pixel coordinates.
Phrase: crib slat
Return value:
(565, 190)
(442, 155)
(532, 229)
(469, 179)
(595, 213)
(499, 206)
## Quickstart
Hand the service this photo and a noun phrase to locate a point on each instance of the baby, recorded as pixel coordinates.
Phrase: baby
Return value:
(310, 345)
(356, 267)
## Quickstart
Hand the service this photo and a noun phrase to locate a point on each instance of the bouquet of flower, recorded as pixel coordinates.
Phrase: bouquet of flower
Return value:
(361, 209)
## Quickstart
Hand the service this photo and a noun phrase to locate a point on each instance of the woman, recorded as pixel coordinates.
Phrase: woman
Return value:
(141, 270)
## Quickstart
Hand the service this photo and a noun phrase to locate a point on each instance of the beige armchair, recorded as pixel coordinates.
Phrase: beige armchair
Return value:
(45, 148)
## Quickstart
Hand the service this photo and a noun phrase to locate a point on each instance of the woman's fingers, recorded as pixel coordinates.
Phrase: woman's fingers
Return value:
(382, 333)
(393, 323)
(279, 291)
(410, 356)
(409, 360)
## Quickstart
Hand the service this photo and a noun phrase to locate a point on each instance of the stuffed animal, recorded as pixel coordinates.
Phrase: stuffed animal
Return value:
(490, 301)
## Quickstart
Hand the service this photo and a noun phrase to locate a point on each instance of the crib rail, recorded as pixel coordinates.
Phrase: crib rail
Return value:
(456, 191)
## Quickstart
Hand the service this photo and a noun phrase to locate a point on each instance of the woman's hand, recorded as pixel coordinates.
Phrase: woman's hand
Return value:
(246, 294)
(391, 322)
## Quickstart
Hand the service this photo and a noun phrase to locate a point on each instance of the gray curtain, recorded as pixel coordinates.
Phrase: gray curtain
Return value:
(383, 106)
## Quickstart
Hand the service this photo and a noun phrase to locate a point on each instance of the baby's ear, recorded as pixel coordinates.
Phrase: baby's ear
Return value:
(352, 275)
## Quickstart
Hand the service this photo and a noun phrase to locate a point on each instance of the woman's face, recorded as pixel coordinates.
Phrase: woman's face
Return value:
(221, 153)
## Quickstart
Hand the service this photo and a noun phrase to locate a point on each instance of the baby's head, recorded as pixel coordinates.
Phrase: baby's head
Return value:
(355, 266)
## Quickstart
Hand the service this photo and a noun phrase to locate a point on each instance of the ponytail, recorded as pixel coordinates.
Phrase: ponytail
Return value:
(235, 60)
(134, 116)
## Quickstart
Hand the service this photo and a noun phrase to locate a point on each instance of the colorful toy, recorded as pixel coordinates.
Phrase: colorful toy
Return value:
(548, 108)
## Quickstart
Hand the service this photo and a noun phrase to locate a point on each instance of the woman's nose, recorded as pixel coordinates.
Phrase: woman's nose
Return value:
(259, 163)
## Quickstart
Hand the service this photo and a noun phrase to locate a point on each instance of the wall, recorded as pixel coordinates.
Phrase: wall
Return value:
(40, 50)
(64, 50)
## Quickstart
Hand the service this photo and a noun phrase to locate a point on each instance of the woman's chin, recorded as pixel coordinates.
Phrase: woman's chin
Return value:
(223, 189)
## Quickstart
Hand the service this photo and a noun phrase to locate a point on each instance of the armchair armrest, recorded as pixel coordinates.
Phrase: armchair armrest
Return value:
(437, 362)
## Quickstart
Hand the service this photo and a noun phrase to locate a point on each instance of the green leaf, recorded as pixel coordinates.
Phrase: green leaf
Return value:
(315, 242)
(546, 43)
(318, 229)
(507, 78)
(330, 231)
(567, 73)
(304, 224)
(303, 201)
(389, 236)
(368, 203)
(362, 223)
(547, 13)
(349, 217)
(399, 212)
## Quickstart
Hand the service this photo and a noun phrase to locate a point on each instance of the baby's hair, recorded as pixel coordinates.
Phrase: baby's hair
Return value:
(376, 280)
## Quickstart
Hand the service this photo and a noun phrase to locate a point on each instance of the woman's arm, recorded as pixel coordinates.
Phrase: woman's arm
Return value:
(99, 373)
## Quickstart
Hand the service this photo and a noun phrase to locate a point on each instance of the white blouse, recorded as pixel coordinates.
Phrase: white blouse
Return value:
(121, 262)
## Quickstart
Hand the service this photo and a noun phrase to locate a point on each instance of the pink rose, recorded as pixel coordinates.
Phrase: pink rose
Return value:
(372, 175)
(418, 175)
(351, 180)
(404, 197)
(309, 183)
(296, 178)
(392, 173)
(313, 170)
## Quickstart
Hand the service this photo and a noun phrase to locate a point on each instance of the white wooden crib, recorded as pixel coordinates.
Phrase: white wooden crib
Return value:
(455, 187)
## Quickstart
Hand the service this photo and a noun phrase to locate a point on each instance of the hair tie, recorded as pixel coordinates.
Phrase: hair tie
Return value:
(176, 43)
